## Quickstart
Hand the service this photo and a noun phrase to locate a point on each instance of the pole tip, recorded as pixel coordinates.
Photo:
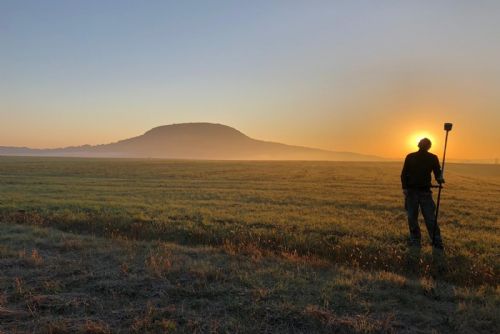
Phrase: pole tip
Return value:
(448, 126)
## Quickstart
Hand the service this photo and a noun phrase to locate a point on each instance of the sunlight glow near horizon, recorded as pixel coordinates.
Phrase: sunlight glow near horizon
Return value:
(414, 139)
(345, 76)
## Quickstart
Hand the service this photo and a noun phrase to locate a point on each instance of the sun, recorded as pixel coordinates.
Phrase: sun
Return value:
(416, 137)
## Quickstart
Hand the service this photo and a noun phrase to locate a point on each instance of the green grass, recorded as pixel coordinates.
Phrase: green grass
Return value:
(347, 216)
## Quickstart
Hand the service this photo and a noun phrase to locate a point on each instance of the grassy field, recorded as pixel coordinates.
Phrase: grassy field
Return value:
(153, 246)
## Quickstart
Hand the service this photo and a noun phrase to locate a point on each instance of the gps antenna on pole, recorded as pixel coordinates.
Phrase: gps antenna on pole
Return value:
(447, 128)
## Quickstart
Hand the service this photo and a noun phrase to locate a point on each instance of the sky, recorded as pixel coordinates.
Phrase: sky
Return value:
(362, 76)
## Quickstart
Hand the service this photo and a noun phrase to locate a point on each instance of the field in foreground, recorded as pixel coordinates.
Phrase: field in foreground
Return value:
(239, 247)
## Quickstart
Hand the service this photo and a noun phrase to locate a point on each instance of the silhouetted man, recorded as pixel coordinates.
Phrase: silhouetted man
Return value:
(416, 183)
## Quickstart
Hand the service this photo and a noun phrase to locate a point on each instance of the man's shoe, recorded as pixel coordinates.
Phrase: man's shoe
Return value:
(438, 246)
(414, 243)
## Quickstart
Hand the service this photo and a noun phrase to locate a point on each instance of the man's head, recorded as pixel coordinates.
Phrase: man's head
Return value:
(424, 144)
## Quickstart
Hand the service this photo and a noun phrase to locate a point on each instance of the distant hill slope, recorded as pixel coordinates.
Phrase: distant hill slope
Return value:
(206, 141)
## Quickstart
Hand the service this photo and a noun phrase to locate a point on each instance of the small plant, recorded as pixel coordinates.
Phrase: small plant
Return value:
(95, 327)
(158, 261)
(36, 257)
(20, 289)
(153, 320)
(52, 286)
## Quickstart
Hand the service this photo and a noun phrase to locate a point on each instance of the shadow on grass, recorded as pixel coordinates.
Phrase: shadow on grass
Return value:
(348, 250)
(414, 260)
(82, 286)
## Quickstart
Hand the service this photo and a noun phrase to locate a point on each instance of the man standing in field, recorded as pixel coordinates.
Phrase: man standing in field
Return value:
(416, 183)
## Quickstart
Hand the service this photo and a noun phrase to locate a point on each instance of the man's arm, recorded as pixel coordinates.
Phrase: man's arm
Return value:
(436, 169)
(404, 176)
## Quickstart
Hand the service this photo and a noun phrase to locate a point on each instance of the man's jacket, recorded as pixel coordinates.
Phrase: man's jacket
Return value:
(416, 173)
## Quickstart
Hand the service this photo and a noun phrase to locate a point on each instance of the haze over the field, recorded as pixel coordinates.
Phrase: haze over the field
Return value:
(203, 141)
(363, 77)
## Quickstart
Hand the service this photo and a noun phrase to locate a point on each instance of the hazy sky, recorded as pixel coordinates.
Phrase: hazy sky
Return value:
(361, 76)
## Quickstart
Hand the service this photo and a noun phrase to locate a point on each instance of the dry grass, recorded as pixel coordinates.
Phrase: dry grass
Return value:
(204, 289)
(297, 247)
(347, 213)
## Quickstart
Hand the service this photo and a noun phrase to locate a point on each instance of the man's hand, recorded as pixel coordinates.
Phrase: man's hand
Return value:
(405, 192)
(440, 180)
